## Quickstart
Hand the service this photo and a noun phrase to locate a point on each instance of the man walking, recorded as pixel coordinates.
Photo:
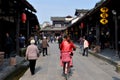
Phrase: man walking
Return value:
(44, 46)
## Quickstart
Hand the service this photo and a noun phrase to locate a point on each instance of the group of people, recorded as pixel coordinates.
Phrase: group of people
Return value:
(32, 52)
(66, 47)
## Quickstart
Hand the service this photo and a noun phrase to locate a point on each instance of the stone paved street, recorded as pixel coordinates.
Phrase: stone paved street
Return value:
(85, 68)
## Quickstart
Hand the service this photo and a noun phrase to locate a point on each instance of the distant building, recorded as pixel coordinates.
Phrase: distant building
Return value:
(45, 24)
(59, 24)
(61, 21)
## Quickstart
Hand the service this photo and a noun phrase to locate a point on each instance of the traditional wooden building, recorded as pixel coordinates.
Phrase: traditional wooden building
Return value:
(76, 29)
(59, 25)
(16, 17)
(96, 21)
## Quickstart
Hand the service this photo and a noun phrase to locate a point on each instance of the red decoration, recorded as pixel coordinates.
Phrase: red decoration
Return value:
(23, 17)
(82, 25)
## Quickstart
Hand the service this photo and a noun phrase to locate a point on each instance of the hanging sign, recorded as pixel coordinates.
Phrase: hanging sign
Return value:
(104, 21)
(104, 9)
(103, 15)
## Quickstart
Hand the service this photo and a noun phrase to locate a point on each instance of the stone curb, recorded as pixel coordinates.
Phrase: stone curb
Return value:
(117, 65)
(107, 60)
(11, 69)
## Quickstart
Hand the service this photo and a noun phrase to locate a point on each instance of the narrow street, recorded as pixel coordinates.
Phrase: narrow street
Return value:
(85, 68)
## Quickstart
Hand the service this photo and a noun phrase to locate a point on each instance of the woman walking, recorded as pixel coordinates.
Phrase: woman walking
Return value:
(32, 53)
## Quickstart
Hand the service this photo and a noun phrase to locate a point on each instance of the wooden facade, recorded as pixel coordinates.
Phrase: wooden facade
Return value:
(92, 19)
(10, 20)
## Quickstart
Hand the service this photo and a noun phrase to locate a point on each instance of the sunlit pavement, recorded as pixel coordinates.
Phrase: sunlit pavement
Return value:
(85, 68)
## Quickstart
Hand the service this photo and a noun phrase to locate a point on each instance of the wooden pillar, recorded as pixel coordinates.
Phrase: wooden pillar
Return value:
(17, 32)
(28, 29)
(97, 33)
(87, 28)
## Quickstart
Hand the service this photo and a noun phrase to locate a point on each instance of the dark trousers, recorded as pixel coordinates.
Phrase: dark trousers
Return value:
(44, 51)
(7, 52)
(32, 64)
(85, 51)
(102, 45)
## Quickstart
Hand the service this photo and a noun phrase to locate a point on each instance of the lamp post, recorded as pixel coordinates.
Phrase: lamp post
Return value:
(116, 27)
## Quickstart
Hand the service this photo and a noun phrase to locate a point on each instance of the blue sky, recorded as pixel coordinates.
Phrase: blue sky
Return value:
(61, 8)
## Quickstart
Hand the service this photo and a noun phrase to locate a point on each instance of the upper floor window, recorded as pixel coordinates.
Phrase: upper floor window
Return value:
(57, 25)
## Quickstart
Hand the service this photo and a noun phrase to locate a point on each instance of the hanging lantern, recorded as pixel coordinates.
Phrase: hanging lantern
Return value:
(81, 25)
(104, 9)
(23, 17)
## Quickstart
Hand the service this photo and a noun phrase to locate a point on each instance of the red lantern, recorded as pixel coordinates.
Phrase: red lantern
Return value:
(23, 17)
(81, 25)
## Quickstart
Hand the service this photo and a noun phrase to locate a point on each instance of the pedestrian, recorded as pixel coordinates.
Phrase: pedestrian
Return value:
(30, 38)
(44, 46)
(22, 41)
(81, 44)
(90, 39)
(9, 45)
(60, 40)
(85, 47)
(67, 46)
(51, 39)
(36, 39)
(32, 54)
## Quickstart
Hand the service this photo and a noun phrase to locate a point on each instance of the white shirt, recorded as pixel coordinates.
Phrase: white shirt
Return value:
(86, 44)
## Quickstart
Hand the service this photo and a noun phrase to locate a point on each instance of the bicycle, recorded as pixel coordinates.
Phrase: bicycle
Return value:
(66, 69)
(66, 64)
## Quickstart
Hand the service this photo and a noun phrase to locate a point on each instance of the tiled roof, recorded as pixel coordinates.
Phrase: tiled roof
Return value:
(58, 18)
(53, 29)
(81, 11)
(28, 5)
